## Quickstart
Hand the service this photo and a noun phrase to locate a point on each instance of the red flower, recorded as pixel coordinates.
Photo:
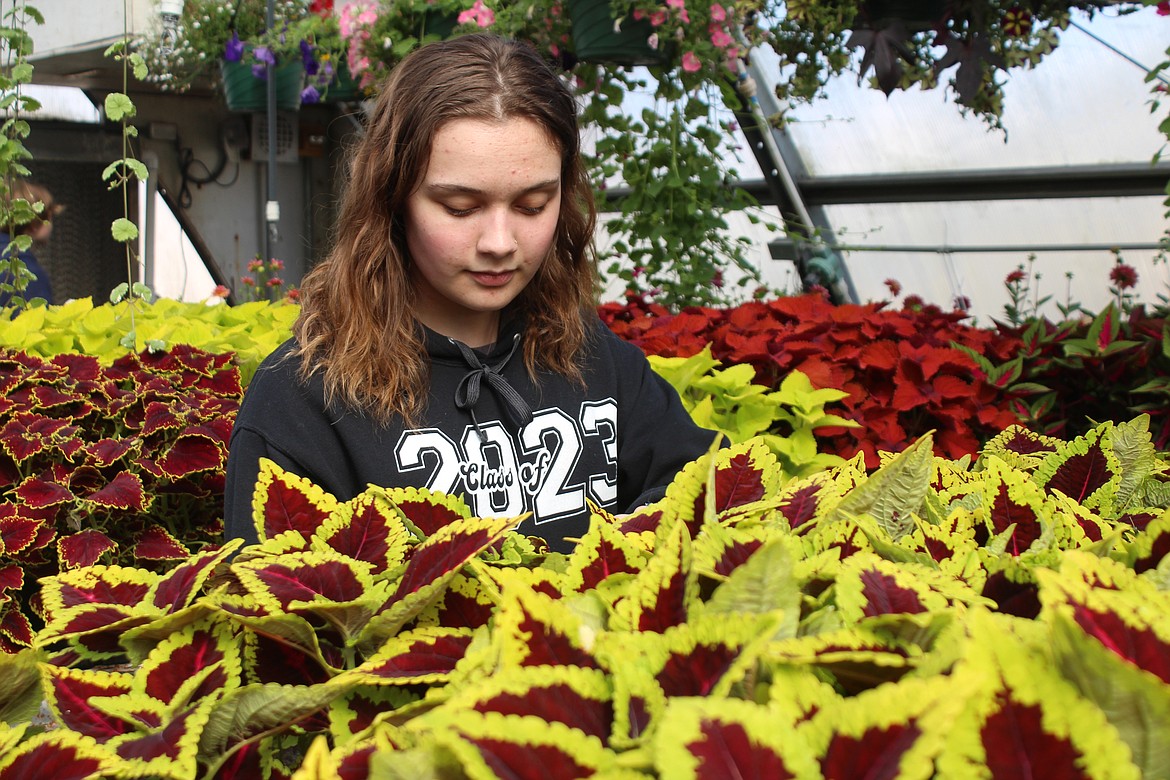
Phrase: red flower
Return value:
(248, 281)
(220, 291)
(275, 281)
(1124, 276)
(893, 286)
(1163, 9)
(321, 7)
(962, 302)
(1015, 277)
(294, 294)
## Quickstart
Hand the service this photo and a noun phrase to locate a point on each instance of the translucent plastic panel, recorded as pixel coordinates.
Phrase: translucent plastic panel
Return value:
(968, 248)
(1084, 104)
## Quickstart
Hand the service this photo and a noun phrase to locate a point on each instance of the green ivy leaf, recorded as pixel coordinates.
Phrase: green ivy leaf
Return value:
(124, 230)
(118, 294)
(119, 106)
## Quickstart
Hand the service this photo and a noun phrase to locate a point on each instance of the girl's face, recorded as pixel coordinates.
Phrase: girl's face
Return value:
(481, 222)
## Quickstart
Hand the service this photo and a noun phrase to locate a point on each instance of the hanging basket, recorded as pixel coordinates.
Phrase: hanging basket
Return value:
(243, 91)
(595, 40)
(344, 88)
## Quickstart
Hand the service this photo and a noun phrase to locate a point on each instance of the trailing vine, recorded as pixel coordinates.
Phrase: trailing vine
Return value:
(15, 71)
(125, 172)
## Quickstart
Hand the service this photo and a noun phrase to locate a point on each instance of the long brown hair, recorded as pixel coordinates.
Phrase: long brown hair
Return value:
(357, 325)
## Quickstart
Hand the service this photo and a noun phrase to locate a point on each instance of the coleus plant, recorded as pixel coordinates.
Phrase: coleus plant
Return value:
(119, 464)
(1001, 616)
(902, 370)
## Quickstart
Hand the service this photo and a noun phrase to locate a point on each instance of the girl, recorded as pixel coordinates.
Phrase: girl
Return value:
(450, 340)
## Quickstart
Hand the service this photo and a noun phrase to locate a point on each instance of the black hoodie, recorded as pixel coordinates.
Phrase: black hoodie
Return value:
(489, 433)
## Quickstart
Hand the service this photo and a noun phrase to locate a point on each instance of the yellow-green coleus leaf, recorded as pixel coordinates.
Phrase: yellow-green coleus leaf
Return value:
(663, 593)
(709, 738)
(1020, 714)
(535, 629)
(1019, 447)
(894, 492)
(603, 551)
(1085, 469)
(868, 586)
(61, 753)
(368, 527)
(283, 501)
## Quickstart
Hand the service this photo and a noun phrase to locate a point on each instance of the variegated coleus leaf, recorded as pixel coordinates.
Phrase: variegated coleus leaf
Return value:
(167, 751)
(663, 593)
(324, 587)
(421, 656)
(1109, 639)
(73, 696)
(603, 551)
(535, 629)
(432, 565)
(59, 754)
(868, 586)
(353, 714)
(801, 502)
(1016, 511)
(858, 658)
(704, 657)
(490, 745)
(1085, 469)
(765, 583)
(724, 738)
(1147, 549)
(571, 695)
(282, 501)
(1019, 715)
(425, 511)
(369, 528)
(465, 603)
(1020, 448)
(892, 732)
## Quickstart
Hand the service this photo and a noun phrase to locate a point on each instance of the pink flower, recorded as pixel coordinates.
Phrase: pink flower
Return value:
(479, 13)
(220, 291)
(1015, 277)
(276, 265)
(276, 281)
(248, 281)
(676, 3)
(719, 37)
(718, 14)
(690, 63)
(256, 265)
(657, 18)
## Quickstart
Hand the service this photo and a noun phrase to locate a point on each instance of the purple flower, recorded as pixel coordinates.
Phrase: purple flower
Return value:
(311, 64)
(234, 48)
(310, 95)
(264, 54)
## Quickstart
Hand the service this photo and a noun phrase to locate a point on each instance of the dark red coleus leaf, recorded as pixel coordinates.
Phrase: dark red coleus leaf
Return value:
(80, 368)
(1081, 474)
(739, 482)
(17, 533)
(736, 554)
(801, 505)
(1005, 511)
(548, 645)
(726, 750)
(102, 590)
(38, 492)
(163, 743)
(555, 702)
(697, 671)
(192, 453)
(432, 560)
(1017, 745)
(519, 761)
(73, 695)
(427, 656)
(287, 508)
(872, 756)
(1021, 599)
(11, 578)
(364, 537)
(883, 595)
(607, 559)
(105, 451)
(641, 520)
(179, 587)
(156, 544)
(1141, 647)
(15, 628)
(457, 610)
(277, 661)
(200, 650)
(356, 765)
(53, 759)
(124, 491)
(84, 548)
(427, 516)
(305, 581)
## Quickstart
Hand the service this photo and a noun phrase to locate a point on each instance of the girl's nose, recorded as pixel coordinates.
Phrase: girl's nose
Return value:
(497, 236)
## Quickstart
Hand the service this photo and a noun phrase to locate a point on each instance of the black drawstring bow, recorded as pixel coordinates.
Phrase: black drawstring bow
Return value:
(467, 392)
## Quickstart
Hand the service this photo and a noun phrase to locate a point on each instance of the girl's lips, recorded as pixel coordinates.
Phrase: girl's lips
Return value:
(489, 279)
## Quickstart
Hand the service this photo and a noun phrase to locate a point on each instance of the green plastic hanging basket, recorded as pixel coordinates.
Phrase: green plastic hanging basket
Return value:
(595, 40)
(243, 91)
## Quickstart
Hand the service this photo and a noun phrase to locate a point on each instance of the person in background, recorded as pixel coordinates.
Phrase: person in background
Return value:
(38, 229)
(450, 340)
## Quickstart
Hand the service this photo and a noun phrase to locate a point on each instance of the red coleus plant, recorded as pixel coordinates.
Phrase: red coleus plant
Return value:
(903, 370)
(120, 463)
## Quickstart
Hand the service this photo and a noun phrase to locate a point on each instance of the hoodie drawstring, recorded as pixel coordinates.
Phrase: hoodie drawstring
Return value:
(467, 392)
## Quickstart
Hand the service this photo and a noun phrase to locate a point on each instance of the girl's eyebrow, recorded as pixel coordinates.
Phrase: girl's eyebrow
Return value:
(461, 189)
